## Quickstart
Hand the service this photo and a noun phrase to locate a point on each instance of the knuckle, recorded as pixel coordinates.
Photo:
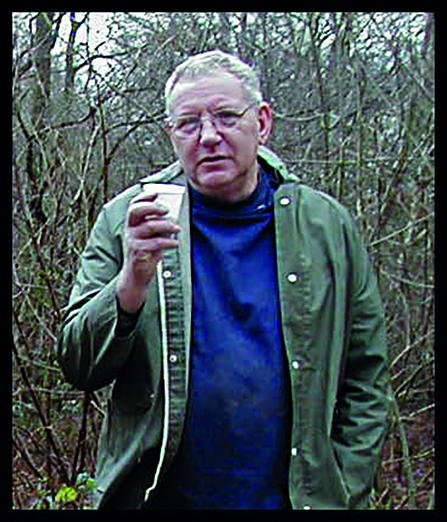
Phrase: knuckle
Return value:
(158, 242)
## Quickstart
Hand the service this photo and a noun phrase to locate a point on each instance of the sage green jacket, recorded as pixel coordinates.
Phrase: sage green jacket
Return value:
(334, 333)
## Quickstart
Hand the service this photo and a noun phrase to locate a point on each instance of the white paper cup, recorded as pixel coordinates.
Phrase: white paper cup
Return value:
(169, 196)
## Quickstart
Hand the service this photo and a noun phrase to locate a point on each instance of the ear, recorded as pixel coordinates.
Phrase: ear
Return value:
(265, 122)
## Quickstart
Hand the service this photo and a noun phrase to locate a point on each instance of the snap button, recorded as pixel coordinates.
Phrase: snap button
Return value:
(167, 274)
(296, 365)
(173, 358)
(284, 201)
(292, 278)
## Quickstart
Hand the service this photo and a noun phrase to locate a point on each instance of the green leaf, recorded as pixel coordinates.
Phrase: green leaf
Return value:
(84, 481)
(90, 483)
(66, 494)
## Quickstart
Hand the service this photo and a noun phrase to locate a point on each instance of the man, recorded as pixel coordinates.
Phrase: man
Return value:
(245, 344)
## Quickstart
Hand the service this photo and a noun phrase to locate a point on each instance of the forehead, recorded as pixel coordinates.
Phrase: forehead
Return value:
(206, 91)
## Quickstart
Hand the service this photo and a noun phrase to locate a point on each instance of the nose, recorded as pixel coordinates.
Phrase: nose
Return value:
(208, 133)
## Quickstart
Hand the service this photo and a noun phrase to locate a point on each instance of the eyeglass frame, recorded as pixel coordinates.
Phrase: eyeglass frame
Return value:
(212, 117)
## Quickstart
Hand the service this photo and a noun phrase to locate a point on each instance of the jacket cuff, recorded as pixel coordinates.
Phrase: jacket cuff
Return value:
(126, 320)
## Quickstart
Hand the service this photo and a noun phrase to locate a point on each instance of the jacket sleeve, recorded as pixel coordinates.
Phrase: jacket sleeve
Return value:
(89, 351)
(363, 400)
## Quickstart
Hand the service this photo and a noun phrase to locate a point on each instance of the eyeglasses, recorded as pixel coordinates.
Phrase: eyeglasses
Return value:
(191, 126)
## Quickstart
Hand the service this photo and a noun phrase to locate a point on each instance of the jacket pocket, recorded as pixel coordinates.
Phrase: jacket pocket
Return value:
(124, 421)
(338, 471)
(324, 483)
(131, 398)
(122, 445)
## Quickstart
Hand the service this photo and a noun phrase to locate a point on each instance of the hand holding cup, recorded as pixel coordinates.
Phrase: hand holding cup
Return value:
(151, 224)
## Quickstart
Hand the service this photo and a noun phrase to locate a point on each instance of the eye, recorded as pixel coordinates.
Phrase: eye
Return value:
(227, 117)
(187, 123)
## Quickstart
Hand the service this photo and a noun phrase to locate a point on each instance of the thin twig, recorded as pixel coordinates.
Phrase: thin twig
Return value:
(397, 232)
(37, 405)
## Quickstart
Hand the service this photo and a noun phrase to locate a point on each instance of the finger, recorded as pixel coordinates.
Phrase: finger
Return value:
(152, 228)
(144, 196)
(152, 246)
(141, 210)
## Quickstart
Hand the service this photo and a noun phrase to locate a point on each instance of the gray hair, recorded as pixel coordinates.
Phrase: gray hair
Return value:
(202, 64)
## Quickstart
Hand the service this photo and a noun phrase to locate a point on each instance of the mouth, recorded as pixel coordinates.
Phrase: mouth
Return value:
(211, 159)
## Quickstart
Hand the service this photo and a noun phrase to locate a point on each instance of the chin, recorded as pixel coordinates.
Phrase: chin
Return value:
(214, 177)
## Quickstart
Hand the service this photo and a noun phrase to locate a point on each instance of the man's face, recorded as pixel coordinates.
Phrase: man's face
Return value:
(219, 163)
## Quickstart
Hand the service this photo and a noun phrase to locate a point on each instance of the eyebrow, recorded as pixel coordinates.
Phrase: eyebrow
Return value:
(219, 106)
(220, 102)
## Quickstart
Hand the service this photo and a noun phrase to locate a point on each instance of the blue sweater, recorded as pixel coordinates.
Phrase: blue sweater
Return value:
(235, 447)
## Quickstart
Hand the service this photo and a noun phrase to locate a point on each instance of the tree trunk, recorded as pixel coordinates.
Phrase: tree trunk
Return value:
(42, 87)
